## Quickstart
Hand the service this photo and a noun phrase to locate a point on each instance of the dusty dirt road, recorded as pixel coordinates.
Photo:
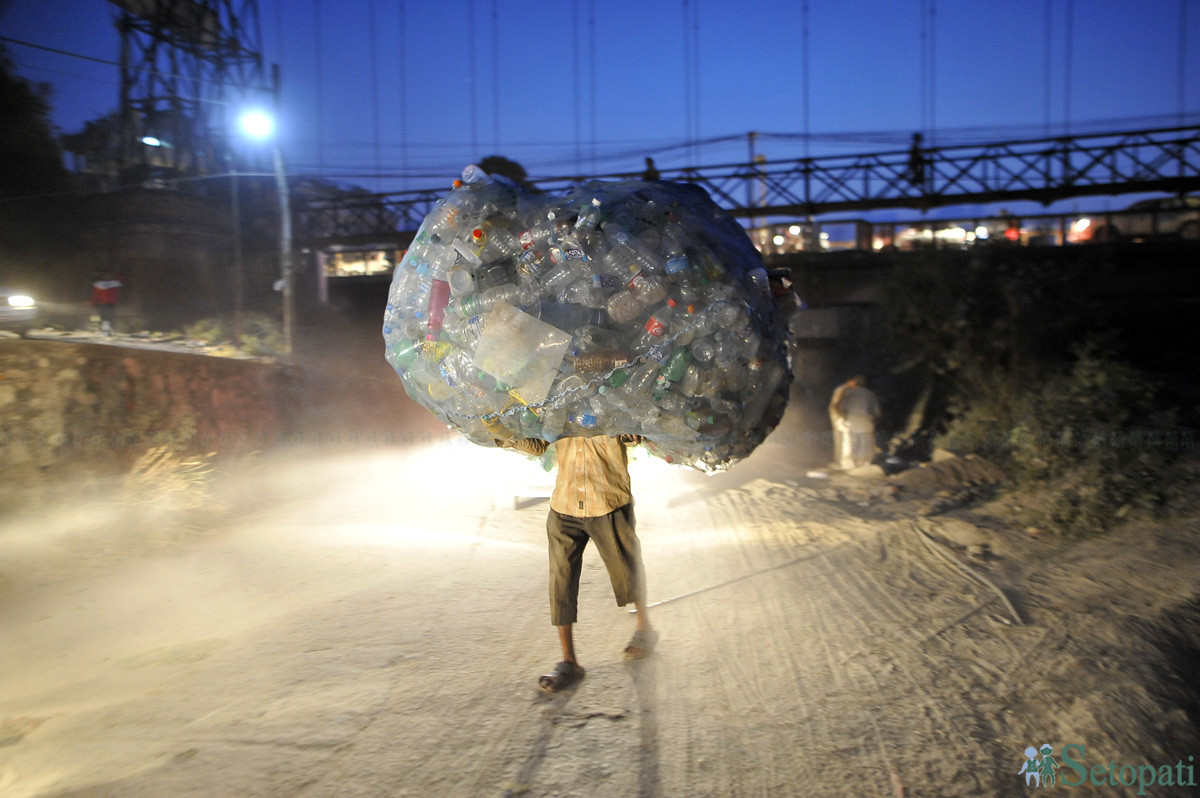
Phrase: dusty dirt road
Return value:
(371, 620)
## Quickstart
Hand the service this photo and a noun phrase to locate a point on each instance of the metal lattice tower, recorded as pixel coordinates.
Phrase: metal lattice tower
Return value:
(185, 64)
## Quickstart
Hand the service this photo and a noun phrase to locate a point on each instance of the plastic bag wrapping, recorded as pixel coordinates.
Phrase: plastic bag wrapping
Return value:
(624, 307)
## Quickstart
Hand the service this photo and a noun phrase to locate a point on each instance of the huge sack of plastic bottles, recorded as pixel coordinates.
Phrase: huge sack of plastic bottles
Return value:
(625, 307)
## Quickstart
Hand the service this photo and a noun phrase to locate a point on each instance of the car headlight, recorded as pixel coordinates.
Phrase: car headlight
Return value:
(20, 301)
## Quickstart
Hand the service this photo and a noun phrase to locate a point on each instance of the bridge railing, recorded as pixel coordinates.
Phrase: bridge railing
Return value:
(1044, 169)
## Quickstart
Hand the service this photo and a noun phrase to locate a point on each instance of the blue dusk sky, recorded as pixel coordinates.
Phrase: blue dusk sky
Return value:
(392, 94)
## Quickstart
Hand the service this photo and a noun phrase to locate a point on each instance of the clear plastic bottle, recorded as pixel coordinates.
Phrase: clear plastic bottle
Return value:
(493, 241)
(725, 314)
(537, 230)
(569, 263)
(554, 419)
(684, 325)
(464, 331)
(640, 293)
(614, 420)
(585, 339)
(531, 263)
(568, 248)
(673, 243)
(734, 376)
(461, 281)
(645, 417)
(641, 381)
(651, 240)
(726, 350)
(690, 295)
(584, 418)
(473, 174)
(762, 380)
(569, 383)
(443, 220)
(628, 254)
(402, 352)
(414, 311)
(425, 373)
(689, 383)
(584, 291)
(466, 251)
(680, 270)
(746, 340)
(762, 287)
(479, 303)
(529, 424)
(589, 216)
(455, 369)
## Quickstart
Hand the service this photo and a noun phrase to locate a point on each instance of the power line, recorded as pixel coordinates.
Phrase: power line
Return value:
(495, 76)
(317, 45)
(1069, 48)
(592, 81)
(950, 137)
(147, 70)
(472, 78)
(804, 53)
(1047, 50)
(403, 88)
(57, 51)
(373, 33)
(576, 83)
(687, 75)
(1181, 78)
(928, 68)
(932, 71)
(696, 69)
(691, 70)
(923, 66)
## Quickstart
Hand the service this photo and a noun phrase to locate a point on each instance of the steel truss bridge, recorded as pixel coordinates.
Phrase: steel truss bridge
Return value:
(1044, 170)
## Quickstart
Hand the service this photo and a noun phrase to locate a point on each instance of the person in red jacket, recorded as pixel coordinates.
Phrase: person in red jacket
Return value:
(106, 293)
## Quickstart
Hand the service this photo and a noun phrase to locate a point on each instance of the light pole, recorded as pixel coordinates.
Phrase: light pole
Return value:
(235, 221)
(261, 125)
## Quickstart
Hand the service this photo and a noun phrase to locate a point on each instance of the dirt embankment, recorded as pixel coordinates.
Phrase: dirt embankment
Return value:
(1110, 622)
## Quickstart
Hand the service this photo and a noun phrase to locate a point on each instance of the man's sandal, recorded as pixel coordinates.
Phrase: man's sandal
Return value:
(641, 644)
(564, 675)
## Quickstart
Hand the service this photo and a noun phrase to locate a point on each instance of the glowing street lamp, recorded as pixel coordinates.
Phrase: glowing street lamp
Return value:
(260, 125)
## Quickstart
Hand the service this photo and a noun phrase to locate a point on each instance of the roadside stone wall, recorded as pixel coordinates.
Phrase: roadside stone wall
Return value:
(62, 403)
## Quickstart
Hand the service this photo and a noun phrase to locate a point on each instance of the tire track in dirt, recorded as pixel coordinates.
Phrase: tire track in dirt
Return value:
(915, 716)
(811, 637)
(766, 652)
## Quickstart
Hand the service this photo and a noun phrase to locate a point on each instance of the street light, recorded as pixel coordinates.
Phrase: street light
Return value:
(260, 125)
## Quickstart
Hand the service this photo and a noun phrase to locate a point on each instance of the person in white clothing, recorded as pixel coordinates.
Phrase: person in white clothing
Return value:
(854, 410)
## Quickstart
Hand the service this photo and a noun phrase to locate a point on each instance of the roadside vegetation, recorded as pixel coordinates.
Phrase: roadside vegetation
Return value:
(1009, 360)
(260, 334)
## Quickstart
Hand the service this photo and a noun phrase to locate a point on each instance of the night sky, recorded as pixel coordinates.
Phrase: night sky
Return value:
(591, 87)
